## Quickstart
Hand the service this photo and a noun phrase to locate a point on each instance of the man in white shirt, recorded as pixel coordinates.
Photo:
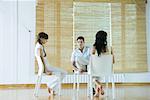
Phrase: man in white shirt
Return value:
(80, 56)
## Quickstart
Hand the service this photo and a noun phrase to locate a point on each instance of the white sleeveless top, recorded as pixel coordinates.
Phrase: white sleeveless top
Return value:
(39, 46)
(38, 56)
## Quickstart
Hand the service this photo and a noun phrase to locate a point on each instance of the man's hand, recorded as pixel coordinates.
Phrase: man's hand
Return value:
(81, 70)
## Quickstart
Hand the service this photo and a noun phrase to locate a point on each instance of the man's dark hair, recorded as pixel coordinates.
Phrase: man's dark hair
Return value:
(80, 37)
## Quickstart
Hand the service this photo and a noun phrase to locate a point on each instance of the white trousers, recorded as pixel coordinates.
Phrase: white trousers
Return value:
(58, 75)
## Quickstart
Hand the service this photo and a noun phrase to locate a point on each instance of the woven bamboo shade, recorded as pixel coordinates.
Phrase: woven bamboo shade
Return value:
(55, 18)
(123, 20)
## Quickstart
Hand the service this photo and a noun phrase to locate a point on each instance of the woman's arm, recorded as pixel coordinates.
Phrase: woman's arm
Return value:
(113, 55)
(44, 65)
(40, 62)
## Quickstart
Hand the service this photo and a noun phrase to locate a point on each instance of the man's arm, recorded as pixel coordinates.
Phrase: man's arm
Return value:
(74, 66)
(73, 61)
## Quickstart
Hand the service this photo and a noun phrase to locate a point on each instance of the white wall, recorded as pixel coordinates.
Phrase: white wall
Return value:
(26, 22)
(8, 41)
(17, 44)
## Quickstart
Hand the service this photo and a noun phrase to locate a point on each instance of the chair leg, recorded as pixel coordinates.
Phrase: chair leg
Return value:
(88, 85)
(58, 74)
(37, 85)
(59, 90)
(91, 89)
(113, 88)
(78, 82)
(74, 82)
(123, 77)
(107, 87)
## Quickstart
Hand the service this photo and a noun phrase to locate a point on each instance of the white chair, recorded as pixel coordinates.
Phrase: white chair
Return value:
(101, 66)
(41, 74)
(77, 74)
(76, 81)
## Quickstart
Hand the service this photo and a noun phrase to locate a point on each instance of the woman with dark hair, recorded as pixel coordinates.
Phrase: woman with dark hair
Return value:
(100, 44)
(43, 64)
(100, 47)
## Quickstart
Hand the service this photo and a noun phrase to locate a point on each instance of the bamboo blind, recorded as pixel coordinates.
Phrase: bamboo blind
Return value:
(125, 25)
(124, 21)
(129, 36)
(90, 18)
(55, 18)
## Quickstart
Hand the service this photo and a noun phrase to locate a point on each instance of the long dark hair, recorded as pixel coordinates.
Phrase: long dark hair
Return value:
(40, 36)
(100, 42)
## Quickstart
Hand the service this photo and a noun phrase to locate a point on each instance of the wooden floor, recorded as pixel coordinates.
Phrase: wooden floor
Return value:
(122, 93)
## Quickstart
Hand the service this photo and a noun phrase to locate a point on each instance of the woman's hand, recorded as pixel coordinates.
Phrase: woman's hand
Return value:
(112, 52)
(48, 73)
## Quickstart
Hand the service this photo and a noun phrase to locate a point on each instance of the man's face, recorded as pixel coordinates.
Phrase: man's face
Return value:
(80, 43)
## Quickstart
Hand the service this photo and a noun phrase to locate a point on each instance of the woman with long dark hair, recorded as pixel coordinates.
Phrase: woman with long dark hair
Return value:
(43, 64)
(101, 48)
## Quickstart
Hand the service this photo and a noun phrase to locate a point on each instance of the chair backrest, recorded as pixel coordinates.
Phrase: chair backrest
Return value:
(101, 65)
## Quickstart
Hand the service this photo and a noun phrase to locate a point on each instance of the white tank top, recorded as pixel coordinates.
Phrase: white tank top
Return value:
(37, 47)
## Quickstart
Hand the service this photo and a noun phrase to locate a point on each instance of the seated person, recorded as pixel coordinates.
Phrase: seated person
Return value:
(100, 48)
(44, 65)
(80, 56)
